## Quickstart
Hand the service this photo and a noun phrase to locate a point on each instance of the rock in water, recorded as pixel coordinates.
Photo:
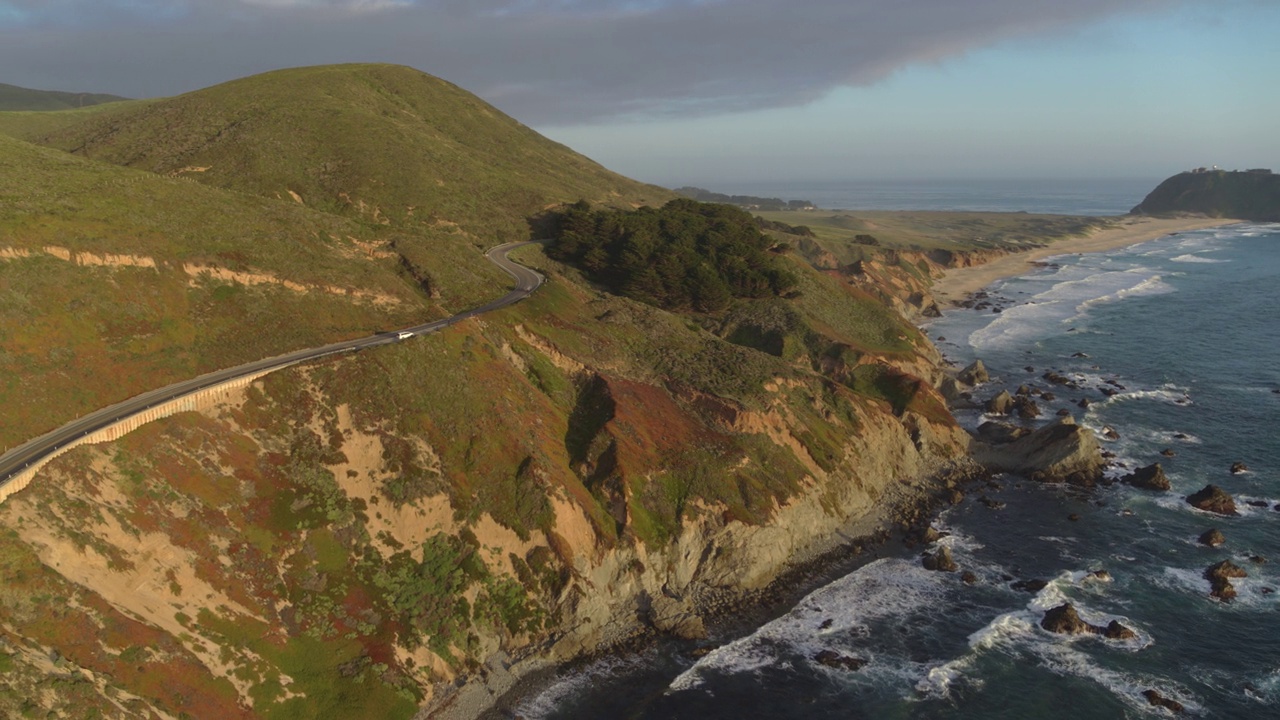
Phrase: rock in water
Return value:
(1212, 537)
(1219, 577)
(940, 560)
(1116, 631)
(1032, 586)
(1156, 699)
(1064, 620)
(1213, 499)
(1027, 408)
(975, 374)
(1001, 404)
(1238, 467)
(833, 659)
(1061, 451)
(1150, 477)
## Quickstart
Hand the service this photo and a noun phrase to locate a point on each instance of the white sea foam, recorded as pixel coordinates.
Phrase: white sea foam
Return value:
(551, 699)
(1065, 659)
(883, 589)
(1189, 258)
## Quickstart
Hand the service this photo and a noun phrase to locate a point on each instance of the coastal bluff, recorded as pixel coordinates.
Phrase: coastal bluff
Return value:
(1247, 195)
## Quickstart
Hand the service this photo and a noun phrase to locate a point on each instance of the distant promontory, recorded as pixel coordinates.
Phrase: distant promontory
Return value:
(1247, 195)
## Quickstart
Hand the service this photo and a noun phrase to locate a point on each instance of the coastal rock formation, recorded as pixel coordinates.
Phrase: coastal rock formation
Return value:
(1027, 408)
(1064, 620)
(975, 374)
(677, 618)
(1116, 631)
(1212, 537)
(1220, 576)
(839, 661)
(1239, 467)
(940, 560)
(1000, 404)
(1059, 452)
(1151, 477)
(1213, 499)
(1157, 700)
(1247, 195)
(999, 433)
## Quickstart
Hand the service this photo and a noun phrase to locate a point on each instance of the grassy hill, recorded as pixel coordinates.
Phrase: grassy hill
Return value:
(13, 97)
(386, 143)
(1252, 195)
(102, 294)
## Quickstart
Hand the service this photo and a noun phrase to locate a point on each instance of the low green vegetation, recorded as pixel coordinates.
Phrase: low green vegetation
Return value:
(856, 235)
(13, 97)
(685, 256)
(1250, 195)
(387, 144)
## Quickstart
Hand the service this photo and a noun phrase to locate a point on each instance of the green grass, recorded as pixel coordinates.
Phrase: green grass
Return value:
(74, 338)
(836, 231)
(13, 97)
(379, 142)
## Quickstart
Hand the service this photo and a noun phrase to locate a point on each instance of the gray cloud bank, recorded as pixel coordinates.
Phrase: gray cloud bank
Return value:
(543, 61)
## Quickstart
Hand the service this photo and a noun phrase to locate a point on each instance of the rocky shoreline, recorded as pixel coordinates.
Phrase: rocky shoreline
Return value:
(726, 615)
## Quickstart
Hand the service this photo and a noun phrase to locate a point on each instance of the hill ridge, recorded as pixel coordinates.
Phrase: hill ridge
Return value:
(13, 97)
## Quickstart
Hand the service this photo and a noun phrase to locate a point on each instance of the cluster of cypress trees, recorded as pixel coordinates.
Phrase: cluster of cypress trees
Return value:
(686, 255)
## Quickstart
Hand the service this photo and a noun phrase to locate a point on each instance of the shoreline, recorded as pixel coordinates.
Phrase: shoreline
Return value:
(889, 529)
(958, 283)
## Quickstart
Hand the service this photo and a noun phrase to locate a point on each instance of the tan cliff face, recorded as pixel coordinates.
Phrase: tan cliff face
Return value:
(385, 523)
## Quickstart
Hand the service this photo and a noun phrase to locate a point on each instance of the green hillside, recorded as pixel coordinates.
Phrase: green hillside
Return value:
(32, 124)
(101, 296)
(1252, 195)
(386, 143)
(13, 97)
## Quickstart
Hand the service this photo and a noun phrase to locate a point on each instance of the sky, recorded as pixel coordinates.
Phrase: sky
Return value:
(716, 91)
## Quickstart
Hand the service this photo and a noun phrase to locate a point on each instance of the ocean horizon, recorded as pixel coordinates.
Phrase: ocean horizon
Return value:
(1053, 196)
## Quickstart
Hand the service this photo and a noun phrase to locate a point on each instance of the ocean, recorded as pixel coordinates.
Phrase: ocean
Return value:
(1054, 196)
(1188, 329)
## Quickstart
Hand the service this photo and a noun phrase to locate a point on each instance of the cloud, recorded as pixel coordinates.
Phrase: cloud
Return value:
(543, 61)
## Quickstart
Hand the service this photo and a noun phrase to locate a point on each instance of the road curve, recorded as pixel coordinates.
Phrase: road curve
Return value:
(23, 456)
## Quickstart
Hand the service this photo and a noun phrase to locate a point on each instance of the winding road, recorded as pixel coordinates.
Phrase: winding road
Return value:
(33, 451)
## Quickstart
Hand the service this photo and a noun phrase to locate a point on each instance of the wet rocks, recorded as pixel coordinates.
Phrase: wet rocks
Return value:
(1168, 452)
(1212, 537)
(1033, 585)
(1151, 477)
(968, 577)
(1026, 407)
(1157, 700)
(1000, 404)
(1239, 467)
(1098, 576)
(1110, 433)
(1116, 631)
(998, 433)
(839, 661)
(1059, 452)
(940, 560)
(975, 374)
(1213, 499)
(1064, 620)
(1220, 576)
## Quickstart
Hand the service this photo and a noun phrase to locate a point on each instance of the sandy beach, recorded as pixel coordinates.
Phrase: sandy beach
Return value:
(956, 284)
